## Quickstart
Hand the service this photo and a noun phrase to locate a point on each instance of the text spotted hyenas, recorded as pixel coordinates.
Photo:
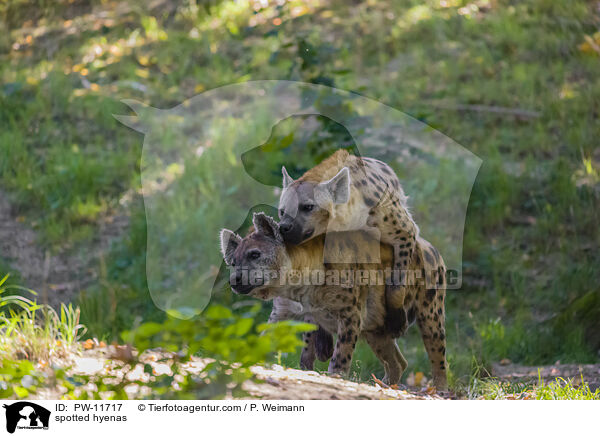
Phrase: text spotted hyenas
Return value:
(349, 308)
(347, 193)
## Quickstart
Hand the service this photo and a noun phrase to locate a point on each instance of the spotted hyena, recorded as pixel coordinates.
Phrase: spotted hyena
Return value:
(346, 193)
(349, 309)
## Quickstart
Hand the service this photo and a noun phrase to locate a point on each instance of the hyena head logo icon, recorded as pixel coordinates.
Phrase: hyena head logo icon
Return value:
(27, 415)
(213, 160)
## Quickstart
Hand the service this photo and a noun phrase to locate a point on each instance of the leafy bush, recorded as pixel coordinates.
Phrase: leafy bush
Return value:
(19, 378)
(33, 334)
(230, 343)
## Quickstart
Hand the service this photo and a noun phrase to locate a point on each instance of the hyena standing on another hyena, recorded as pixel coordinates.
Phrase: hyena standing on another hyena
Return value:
(349, 311)
(346, 193)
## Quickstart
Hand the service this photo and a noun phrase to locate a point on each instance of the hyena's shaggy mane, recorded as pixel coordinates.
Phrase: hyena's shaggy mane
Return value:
(328, 167)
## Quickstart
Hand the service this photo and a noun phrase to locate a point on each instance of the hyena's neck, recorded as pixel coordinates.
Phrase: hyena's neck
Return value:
(291, 287)
(349, 216)
(308, 255)
(294, 279)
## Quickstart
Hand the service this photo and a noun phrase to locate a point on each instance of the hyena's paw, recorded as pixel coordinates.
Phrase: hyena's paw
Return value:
(392, 381)
(339, 365)
(323, 344)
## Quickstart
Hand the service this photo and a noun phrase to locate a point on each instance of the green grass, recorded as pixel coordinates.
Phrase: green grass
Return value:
(530, 257)
(557, 389)
(33, 331)
(561, 389)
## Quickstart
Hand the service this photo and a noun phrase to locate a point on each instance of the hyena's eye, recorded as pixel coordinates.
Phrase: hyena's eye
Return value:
(253, 255)
(281, 212)
(307, 207)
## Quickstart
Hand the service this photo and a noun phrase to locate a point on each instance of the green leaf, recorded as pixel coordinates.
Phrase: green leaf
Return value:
(20, 391)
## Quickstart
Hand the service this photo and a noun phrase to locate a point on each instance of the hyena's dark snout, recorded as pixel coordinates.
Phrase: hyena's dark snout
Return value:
(293, 232)
(242, 281)
(239, 283)
(285, 227)
(235, 278)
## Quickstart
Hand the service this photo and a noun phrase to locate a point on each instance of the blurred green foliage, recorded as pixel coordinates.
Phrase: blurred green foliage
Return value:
(299, 143)
(231, 343)
(18, 378)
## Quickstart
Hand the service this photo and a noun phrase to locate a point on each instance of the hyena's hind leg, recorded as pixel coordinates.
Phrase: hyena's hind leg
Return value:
(431, 322)
(387, 351)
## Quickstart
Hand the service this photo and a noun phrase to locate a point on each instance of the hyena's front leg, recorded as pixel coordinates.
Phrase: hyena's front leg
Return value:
(317, 343)
(307, 357)
(347, 331)
(284, 309)
(396, 226)
(323, 344)
(398, 229)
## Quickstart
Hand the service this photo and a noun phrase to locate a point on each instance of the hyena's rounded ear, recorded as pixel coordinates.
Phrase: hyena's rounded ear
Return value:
(266, 225)
(229, 242)
(338, 187)
(287, 180)
(144, 119)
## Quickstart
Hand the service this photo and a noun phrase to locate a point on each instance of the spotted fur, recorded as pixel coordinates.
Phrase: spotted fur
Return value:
(351, 311)
(346, 193)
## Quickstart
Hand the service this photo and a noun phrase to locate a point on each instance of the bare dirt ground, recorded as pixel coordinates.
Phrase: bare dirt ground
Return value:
(272, 383)
(56, 277)
(279, 383)
(293, 384)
